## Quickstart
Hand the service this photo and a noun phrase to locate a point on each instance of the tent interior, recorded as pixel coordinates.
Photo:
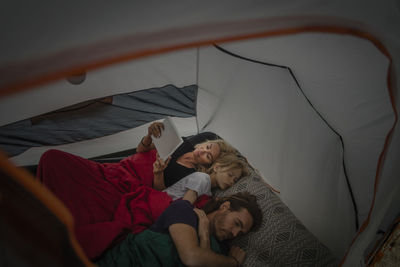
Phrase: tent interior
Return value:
(314, 111)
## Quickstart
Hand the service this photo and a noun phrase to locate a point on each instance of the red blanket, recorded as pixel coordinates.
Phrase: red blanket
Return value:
(95, 194)
(107, 200)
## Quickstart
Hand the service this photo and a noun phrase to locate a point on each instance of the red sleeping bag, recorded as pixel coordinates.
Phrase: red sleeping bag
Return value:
(107, 200)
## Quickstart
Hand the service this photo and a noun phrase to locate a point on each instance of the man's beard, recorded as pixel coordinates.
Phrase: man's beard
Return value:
(219, 231)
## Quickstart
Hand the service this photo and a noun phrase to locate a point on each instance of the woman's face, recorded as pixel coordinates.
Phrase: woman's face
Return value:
(206, 153)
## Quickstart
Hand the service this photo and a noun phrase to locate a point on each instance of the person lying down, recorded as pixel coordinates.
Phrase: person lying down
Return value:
(184, 236)
(107, 203)
(110, 200)
(224, 172)
(139, 209)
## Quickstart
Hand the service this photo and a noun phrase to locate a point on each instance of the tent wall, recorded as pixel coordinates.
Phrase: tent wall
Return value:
(285, 143)
(297, 152)
(178, 68)
(42, 44)
(132, 29)
(264, 114)
(99, 117)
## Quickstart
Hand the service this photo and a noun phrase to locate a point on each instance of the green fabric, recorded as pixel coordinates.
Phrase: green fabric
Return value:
(146, 249)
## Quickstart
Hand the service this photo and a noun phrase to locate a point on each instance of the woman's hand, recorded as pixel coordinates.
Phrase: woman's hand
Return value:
(203, 228)
(238, 254)
(158, 170)
(159, 165)
(155, 129)
(146, 143)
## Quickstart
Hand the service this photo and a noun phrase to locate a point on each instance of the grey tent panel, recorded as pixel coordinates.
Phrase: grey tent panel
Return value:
(99, 118)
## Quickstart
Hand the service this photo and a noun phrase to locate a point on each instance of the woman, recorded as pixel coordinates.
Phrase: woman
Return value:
(196, 152)
(93, 191)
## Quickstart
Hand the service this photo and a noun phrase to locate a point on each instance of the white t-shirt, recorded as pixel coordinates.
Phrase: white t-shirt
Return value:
(197, 181)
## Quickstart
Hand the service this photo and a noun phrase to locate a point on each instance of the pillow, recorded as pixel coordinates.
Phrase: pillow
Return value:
(282, 240)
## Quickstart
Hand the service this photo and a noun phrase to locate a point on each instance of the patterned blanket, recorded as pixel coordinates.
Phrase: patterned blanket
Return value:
(282, 240)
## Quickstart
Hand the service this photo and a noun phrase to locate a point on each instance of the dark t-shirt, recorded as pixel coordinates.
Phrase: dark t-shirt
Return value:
(174, 171)
(180, 211)
(154, 247)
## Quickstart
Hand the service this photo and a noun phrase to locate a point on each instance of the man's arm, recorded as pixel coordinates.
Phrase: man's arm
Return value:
(203, 230)
(191, 254)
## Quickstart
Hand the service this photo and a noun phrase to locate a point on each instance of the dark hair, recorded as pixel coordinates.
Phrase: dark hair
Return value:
(238, 201)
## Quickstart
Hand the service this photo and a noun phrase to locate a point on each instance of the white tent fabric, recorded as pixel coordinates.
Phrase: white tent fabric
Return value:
(271, 110)
(344, 55)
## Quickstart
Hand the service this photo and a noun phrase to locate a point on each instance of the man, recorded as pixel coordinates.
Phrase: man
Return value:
(183, 235)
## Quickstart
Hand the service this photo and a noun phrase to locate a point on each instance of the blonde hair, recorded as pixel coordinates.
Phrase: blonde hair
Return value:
(224, 147)
(229, 161)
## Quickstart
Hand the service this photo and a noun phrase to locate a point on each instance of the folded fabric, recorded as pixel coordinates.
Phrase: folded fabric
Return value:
(146, 249)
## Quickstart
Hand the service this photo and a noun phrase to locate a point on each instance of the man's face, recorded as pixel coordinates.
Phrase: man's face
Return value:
(228, 224)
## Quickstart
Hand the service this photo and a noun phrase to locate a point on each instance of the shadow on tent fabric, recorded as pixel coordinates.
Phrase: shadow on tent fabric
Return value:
(36, 228)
